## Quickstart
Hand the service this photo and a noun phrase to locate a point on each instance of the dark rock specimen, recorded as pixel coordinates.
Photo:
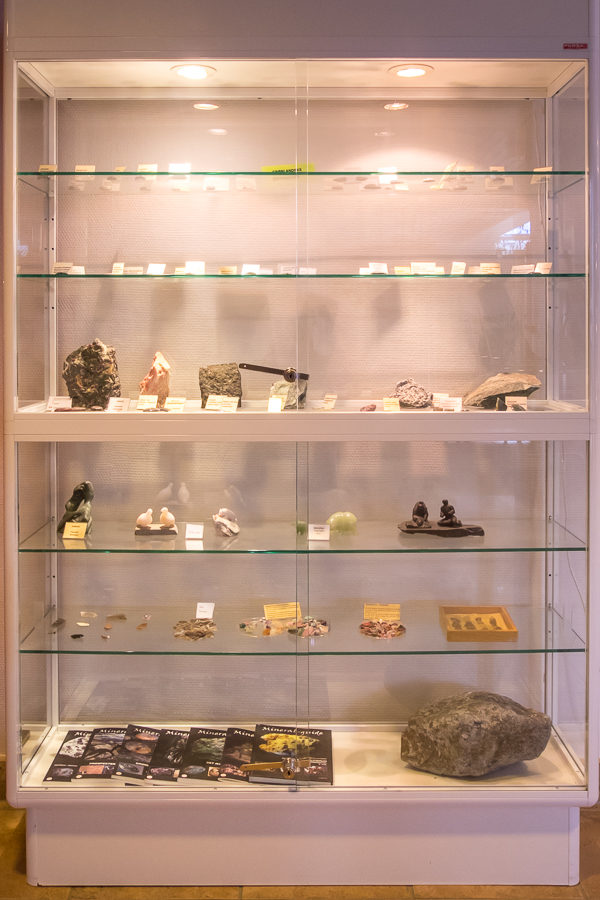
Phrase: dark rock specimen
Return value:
(78, 507)
(91, 375)
(412, 395)
(223, 379)
(499, 386)
(472, 734)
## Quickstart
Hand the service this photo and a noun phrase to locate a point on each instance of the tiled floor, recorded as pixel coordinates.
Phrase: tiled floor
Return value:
(13, 885)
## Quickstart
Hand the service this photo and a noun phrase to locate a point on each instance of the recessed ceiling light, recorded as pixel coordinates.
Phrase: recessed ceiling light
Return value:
(396, 105)
(193, 71)
(411, 70)
(206, 106)
(217, 131)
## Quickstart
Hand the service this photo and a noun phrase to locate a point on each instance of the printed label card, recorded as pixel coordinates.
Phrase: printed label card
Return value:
(118, 268)
(282, 610)
(194, 531)
(382, 612)
(75, 531)
(156, 269)
(221, 403)
(47, 168)
(458, 268)
(58, 403)
(61, 268)
(275, 405)
(118, 404)
(205, 610)
(175, 404)
(319, 532)
(146, 401)
(391, 404)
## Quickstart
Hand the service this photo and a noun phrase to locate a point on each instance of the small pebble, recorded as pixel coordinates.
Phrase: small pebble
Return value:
(75, 636)
(370, 407)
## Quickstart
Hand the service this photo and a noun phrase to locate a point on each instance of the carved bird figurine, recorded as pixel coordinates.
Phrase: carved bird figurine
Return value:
(166, 493)
(183, 495)
(167, 519)
(144, 520)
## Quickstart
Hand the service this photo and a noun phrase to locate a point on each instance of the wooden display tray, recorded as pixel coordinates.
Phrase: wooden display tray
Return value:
(484, 629)
(155, 531)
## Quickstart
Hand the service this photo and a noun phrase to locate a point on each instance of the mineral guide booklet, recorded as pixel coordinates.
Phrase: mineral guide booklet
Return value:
(66, 762)
(236, 752)
(167, 759)
(203, 754)
(100, 757)
(136, 751)
(273, 743)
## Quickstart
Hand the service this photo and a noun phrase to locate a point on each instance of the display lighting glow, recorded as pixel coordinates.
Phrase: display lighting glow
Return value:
(193, 71)
(217, 131)
(206, 106)
(411, 70)
(396, 105)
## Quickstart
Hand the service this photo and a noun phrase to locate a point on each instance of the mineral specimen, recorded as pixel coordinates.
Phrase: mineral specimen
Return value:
(411, 394)
(370, 407)
(342, 522)
(91, 375)
(78, 507)
(223, 379)
(293, 394)
(379, 629)
(308, 627)
(226, 522)
(194, 629)
(499, 386)
(264, 627)
(157, 379)
(472, 734)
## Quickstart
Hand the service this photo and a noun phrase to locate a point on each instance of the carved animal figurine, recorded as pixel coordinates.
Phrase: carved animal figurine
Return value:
(144, 520)
(167, 519)
(78, 507)
(226, 522)
(157, 379)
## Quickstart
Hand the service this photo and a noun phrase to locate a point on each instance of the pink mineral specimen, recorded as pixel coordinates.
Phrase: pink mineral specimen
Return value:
(157, 379)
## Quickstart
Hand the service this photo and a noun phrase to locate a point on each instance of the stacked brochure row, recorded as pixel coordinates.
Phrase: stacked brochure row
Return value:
(140, 754)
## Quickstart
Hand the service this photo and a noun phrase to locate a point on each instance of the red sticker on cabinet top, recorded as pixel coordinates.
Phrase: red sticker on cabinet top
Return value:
(575, 46)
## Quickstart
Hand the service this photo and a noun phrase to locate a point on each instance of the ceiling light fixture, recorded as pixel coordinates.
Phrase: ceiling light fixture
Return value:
(396, 105)
(205, 106)
(193, 71)
(219, 131)
(411, 70)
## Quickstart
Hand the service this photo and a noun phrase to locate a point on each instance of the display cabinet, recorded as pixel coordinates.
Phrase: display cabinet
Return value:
(328, 219)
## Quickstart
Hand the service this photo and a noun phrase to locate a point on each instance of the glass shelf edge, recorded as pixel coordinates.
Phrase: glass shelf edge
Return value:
(294, 172)
(304, 653)
(531, 276)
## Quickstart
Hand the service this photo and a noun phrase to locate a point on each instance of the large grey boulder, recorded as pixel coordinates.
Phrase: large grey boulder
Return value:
(473, 734)
(91, 375)
(499, 386)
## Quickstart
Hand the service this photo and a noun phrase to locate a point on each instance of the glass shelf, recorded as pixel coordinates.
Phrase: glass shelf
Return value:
(317, 276)
(424, 635)
(501, 536)
(295, 172)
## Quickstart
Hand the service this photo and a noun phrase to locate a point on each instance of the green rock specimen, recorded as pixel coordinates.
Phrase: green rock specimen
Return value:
(91, 375)
(342, 522)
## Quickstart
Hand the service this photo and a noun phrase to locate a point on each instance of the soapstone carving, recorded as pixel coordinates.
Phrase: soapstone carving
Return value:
(157, 379)
(167, 519)
(78, 507)
(91, 375)
(226, 522)
(342, 522)
(412, 395)
(448, 525)
(471, 734)
(499, 386)
(144, 520)
(223, 379)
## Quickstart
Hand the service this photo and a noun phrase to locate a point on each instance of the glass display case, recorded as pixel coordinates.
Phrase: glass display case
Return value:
(379, 502)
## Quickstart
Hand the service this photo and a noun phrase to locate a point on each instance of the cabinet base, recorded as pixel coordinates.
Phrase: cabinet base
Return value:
(301, 840)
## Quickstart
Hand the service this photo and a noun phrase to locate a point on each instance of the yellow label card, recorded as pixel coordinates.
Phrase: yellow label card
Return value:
(284, 170)
(75, 531)
(391, 404)
(47, 167)
(147, 401)
(175, 404)
(282, 611)
(385, 612)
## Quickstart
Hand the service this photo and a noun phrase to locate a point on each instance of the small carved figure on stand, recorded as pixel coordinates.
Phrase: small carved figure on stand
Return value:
(144, 520)
(420, 515)
(167, 519)
(448, 516)
(78, 507)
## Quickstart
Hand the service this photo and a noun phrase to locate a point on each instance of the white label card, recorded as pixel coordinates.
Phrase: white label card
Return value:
(58, 403)
(250, 269)
(205, 610)
(329, 401)
(492, 268)
(194, 267)
(77, 270)
(391, 404)
(318, 532)
(522, 270)
(422, 268)
(307, 270)
(450, 404)
(147, 401)
(179, 168)
(221, 403)
(156, 269)
(275, 404)
(543, 268)
(194, 531)
(86, 168)
(61, 268)
(118, 404)
(175, 404)
(118, 268)
(376, 268)
(458, 268)
(134, 270)
(148, 168)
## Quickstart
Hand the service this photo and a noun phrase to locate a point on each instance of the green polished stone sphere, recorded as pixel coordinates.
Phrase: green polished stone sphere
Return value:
(342, 522)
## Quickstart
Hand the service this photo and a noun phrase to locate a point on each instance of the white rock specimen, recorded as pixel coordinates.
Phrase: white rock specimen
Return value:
(472, 734)
(412, 395)
(144, 520)
(157, 379)
(226, 522)
(499, 386)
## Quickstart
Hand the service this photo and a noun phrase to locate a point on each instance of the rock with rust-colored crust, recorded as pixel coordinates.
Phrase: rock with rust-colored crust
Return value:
(223, 379)
(91, 375)
(499, 386)
(472, 734)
